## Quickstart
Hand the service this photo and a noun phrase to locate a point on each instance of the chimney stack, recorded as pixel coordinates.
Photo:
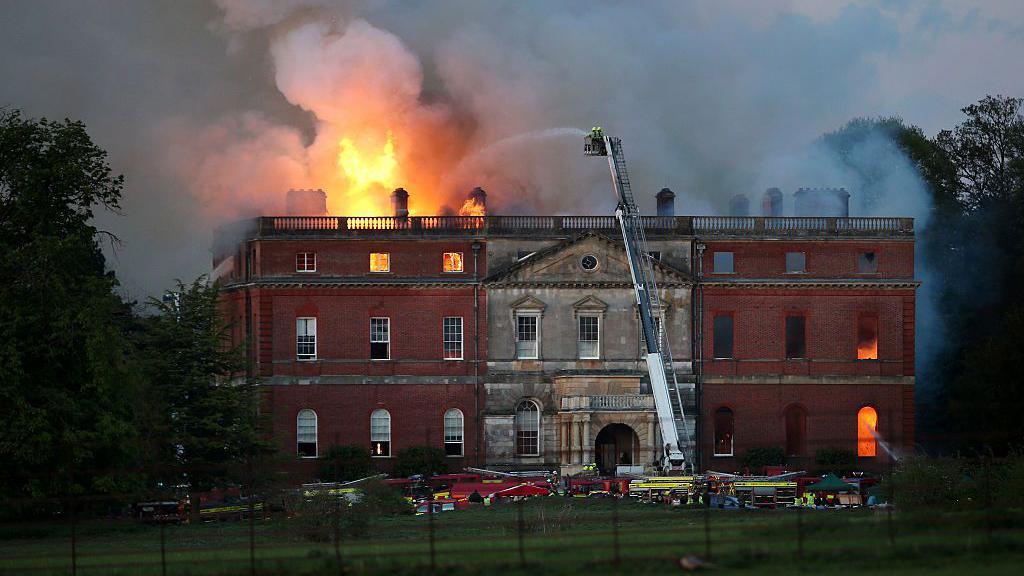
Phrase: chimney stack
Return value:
(400, 202)
(479, 197)
(822, 202)
(771, 202)
(666, 202)
(739, 205)
(306, 203)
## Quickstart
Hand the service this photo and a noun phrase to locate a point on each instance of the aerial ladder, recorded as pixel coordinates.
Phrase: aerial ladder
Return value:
(668, 399)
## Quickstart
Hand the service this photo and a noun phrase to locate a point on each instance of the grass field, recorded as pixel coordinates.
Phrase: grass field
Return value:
(558, 536)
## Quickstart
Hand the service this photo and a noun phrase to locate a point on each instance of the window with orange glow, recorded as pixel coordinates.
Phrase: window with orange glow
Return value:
(867, 338)
(380, 262)
(452, 262)
(867, 424)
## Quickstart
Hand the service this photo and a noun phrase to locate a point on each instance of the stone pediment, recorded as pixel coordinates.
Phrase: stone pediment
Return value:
(590, 304)
(528, 304)
(590, 259)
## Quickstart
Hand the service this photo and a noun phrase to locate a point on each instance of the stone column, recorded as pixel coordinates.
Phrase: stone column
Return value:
(588, 444)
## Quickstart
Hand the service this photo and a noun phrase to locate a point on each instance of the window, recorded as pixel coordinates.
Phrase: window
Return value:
(527, 429)
(305, 434)
(724, 424)
(589, 262)
(305, 338)
(452, 332)
(796, 342)
(380, 262)
(526, 337)
(453, 432)
(380, 338)
(452, 262)
(305, 262)
(380, 433)
(796, 431)
(796, 262)
(723, 336)
(867, 425)
(655, 255)
(867, 337)
(723, 263)
(867, 263)
(589, 345)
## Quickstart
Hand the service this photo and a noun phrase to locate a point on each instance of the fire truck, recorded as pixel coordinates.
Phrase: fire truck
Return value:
(668, 398)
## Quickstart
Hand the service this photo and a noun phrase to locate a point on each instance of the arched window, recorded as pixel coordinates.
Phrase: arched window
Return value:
(867, 424)
(305, 434)
(724, 425)
(796, 431)
(527, 428)
(453, 432)
(380, 433)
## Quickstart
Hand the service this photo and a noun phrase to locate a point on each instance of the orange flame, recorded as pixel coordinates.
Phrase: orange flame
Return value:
(472, 207)
(367, 173)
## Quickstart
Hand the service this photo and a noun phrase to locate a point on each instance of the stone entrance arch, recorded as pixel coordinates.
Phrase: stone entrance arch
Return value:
(616, 444)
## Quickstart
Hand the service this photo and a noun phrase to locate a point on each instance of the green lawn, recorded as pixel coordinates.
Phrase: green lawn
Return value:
(561, 536)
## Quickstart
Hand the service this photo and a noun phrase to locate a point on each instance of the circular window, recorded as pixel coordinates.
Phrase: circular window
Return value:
(589, 262)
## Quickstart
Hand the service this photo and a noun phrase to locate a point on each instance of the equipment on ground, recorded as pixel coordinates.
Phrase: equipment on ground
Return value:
(667, 399)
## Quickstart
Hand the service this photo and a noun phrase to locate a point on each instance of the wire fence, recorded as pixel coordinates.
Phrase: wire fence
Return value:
(566, 532)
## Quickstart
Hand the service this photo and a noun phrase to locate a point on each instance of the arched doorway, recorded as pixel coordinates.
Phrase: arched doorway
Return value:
(616, 444)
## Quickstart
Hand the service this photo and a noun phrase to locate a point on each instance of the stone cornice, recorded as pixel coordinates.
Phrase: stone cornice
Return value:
(812, 283)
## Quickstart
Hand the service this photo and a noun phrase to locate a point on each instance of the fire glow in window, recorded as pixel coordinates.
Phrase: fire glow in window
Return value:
(380, 262)
(867, 337)
(867, 424)
(452, 262)
(380, 433)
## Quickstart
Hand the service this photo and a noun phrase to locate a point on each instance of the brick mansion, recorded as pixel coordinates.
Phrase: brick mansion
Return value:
(512, 342)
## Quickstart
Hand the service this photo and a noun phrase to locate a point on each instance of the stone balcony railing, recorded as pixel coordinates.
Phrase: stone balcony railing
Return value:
(533, 226)
(608, 402)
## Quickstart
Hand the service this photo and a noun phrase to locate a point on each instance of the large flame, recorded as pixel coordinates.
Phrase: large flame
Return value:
(367, 174)
(472, 207)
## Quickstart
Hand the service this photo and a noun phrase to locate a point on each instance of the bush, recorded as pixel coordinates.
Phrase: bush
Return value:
(839, 461)
(920, 483)
(756, 459)
(423, 460)
(346, 463)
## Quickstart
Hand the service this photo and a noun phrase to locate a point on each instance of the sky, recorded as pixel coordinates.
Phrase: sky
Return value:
(213, 108)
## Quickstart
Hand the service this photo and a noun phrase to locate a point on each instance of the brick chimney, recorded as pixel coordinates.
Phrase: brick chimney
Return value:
(739, 205)
(479, 197)
(822, 202)
(666, 202)
(400, 202)
(306, 202)
(771, 202)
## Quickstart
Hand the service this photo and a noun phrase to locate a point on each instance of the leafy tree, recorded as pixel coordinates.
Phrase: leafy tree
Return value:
(208, 425)
(424, 460)
(348, 462)
(67, 382)
(840, 461)
(755, 459)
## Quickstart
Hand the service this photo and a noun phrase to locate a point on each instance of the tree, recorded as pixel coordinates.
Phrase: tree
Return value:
(423, 460)
(67, 381)
(207, 405)
(343, 463)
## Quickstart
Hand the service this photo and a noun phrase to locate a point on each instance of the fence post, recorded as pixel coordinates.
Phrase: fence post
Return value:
(163, 548)
(707, 523)
(430, 529)
(337, 535)
(520, 528)
(799, 531)
(615, 529)
(74, 537)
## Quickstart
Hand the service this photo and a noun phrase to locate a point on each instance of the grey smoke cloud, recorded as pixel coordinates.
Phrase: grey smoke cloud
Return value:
(212, 109)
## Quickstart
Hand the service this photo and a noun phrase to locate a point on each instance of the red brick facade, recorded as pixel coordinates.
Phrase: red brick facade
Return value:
(802, 402)
(826, 385)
